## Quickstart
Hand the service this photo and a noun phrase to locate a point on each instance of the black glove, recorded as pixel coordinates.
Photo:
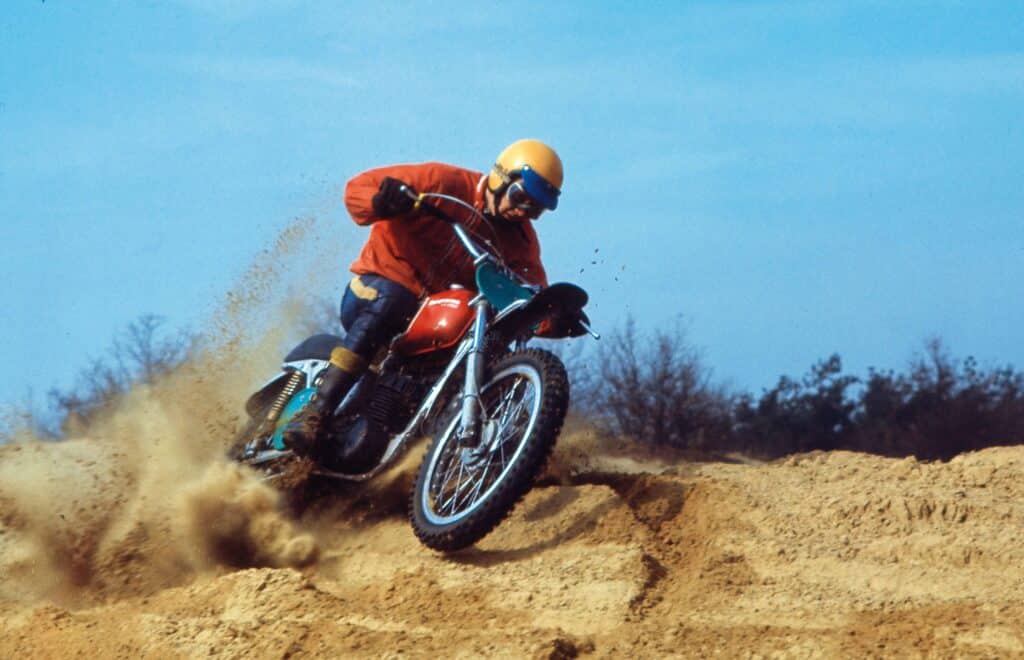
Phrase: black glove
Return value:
(391, 201)
(574, 327)
(566, 325)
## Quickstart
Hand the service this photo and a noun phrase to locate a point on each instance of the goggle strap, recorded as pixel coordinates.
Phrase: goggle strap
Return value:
(507, 177)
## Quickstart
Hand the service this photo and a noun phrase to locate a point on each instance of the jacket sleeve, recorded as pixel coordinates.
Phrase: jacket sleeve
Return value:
(360, 189)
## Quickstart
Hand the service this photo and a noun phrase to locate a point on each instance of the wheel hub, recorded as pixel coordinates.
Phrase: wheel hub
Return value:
(475, 456)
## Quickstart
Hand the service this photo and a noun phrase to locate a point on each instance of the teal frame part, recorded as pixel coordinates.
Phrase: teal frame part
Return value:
(294, 405)
(499, 289)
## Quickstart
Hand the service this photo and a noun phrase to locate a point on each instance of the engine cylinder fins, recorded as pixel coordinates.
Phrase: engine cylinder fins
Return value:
(394, 401)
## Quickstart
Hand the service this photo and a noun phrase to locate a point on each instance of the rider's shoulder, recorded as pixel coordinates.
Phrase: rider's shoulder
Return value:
(453, 170)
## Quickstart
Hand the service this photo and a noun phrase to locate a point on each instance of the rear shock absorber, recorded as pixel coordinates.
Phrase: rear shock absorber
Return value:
(282, 398)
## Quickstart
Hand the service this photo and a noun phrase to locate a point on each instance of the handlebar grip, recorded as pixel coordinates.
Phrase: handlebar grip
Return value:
(427, 207)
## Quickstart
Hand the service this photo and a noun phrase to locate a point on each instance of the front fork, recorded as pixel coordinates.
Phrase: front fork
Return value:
(469, 427)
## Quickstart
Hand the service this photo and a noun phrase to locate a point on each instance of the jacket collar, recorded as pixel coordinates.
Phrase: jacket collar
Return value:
(478, 198)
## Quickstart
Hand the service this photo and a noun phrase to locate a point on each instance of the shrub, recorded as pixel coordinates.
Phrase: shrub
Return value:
(653, 388)
(796, 416)
(940, 408)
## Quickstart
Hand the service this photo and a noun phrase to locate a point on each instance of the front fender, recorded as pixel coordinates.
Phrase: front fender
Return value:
(558, 301)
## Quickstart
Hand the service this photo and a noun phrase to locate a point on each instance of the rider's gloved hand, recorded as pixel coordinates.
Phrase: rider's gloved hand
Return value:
(391, 201)
(564, 326)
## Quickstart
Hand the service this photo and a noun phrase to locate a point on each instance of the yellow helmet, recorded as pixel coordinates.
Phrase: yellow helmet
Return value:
(536, 164)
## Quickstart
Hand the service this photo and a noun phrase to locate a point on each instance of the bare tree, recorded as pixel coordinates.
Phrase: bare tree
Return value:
(140, 353)
(656, 389)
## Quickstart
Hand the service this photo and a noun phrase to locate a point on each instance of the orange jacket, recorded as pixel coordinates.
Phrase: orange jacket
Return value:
(421, 252)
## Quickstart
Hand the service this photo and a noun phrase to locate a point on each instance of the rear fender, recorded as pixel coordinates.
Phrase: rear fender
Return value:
(317, 347)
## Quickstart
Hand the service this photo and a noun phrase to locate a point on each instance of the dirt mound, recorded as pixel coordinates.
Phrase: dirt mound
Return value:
(821, 555)
(90, 519)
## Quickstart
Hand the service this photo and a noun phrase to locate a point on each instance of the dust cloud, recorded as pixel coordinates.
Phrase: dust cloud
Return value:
(143, 499)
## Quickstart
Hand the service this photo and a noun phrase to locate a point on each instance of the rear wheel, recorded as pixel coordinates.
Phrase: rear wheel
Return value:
(245, 439)
(462, 493)
(289, 474)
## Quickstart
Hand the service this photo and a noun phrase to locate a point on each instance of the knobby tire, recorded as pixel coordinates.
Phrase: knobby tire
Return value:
(520, 475)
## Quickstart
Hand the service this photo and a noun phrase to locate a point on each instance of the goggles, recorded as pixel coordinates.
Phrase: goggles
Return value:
(519, 198)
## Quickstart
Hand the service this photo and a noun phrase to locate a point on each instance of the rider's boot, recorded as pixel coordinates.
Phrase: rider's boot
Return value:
(304, 432)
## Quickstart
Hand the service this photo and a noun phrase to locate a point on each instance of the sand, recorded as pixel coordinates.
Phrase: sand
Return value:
(826, 554)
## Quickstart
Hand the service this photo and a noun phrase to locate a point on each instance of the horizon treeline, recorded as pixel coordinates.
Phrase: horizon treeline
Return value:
(654, 388)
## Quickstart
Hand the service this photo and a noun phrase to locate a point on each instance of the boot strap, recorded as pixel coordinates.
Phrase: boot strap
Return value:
(348, 361)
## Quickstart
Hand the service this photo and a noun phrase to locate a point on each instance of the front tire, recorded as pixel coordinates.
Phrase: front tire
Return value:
(462, 493)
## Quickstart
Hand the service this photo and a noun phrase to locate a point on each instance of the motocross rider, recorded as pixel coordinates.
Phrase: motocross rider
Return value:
(410, 254)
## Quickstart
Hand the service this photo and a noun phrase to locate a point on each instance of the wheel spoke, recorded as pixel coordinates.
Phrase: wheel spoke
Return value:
(448, 474)
(518, 412)
(507, 401)
(445, 505)
(483, 480)
(463, 485)
(496, 475)
(501, 402)
(458, 484)
(442, 477)
(509, 428)
(459, 502)
(509, 409)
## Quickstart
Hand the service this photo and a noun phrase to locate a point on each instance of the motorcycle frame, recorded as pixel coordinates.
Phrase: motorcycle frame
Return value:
(471, 349)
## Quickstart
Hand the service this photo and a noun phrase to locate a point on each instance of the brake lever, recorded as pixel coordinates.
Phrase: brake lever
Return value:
(590, 331)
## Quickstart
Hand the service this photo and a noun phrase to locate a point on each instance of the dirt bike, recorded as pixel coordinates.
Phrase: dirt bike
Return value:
(462, 373)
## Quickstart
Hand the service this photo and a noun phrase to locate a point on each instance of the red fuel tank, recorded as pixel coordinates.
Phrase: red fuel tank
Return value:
(441, 322)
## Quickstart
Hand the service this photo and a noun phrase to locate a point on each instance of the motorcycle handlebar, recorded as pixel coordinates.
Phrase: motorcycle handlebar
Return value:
(423, 205)
(477, 252)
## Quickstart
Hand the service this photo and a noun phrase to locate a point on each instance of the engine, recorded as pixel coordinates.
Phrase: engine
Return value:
(394, 401)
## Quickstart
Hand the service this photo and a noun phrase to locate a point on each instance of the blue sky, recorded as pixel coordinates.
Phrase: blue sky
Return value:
(793, 178)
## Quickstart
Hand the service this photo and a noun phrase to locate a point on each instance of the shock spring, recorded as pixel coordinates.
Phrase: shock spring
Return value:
(286, 393)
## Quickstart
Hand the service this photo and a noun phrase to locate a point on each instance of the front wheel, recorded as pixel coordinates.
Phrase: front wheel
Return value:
(462, 493)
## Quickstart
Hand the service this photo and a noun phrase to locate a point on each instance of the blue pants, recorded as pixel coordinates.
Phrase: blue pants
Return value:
(374, 310)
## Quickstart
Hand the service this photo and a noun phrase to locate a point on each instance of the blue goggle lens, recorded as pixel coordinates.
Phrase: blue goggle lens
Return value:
(539, 188)
(519, 198)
